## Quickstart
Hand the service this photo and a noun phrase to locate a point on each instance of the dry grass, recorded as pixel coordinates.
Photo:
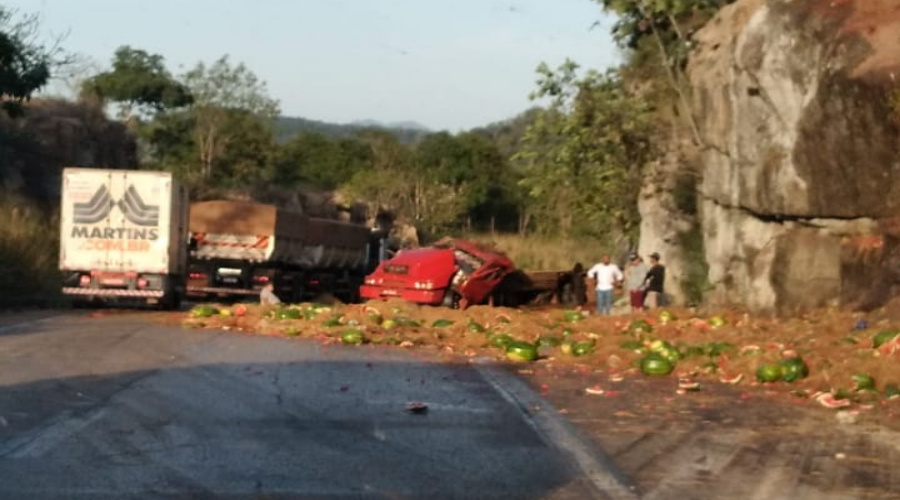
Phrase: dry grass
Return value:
(29, 249)
(538, 253)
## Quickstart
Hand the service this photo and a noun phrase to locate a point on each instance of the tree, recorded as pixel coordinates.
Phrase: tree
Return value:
(313, 158)
(218, 90)
(658, 33)
(138, 79)
(584, 154)
(24, 64)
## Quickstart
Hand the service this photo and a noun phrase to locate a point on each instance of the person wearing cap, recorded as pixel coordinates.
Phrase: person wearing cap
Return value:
(654, 282)
(606, 276)
(635, 274)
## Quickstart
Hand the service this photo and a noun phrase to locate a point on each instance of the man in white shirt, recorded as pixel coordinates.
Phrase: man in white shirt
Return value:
(606, 276)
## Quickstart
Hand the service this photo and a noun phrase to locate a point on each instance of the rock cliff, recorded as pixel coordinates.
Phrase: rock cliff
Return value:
(800, 161)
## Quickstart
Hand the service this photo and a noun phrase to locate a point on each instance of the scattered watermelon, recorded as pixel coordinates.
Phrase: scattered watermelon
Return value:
(521, 351)
(883, 337)
(501, 340)
(863, 382)
(352, 337)
(475, 327)
(688, 385)
(388, 324)
(666, 316)
(640, 325)
(573, 316)
(549, 341)
(404, 321)
(829, 400)
(632, 345)
(656, 365)
(240, 310)
(716, 349)
(717, 322)
(441, 323)
(793, 369)
(331, 323)
(769, 373)
(204, 311)
(288, 313)
(691, 352)
(710, 367)
(733, 380)
(582, 348)
(891, 391)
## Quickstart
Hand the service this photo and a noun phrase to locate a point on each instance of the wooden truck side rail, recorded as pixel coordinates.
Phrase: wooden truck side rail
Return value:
(523, 287)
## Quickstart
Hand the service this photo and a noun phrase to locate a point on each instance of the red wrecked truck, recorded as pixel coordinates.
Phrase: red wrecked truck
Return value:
(452, 272)
(460, 273)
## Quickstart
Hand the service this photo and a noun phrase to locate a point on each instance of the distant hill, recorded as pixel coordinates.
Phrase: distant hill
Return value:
(287, 127)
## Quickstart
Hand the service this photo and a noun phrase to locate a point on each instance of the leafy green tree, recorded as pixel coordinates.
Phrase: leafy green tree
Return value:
(219, 90)
(584, 154)
(313, 158)
(24, 65)
(138, 79)
(658, 33)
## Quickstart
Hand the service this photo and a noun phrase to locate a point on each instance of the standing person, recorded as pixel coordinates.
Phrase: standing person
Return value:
(606, 276)
(635, 275)
(267, 295)
(654, 282)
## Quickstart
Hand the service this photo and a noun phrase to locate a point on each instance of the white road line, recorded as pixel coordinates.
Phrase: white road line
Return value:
(599, 468)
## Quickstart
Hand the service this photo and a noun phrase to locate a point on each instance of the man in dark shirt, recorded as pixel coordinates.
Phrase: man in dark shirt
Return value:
(656, 279)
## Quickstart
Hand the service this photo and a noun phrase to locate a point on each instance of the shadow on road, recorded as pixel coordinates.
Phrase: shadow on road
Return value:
(301, 429)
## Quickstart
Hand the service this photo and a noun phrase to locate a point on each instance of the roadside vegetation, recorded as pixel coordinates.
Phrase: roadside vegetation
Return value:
(29, 251)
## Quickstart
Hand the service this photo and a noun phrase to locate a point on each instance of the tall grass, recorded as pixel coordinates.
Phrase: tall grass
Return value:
(540, 253)
(29, 250)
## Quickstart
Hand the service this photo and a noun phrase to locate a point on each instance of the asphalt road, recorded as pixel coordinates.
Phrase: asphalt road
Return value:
(117, 407)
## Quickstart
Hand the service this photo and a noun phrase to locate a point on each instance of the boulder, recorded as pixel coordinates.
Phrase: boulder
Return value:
(800, 146)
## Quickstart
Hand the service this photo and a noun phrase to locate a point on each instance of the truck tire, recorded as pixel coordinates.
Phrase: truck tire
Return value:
(451, 299)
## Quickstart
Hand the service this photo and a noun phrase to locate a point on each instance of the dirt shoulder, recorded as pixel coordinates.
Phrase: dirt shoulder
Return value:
(724, 441)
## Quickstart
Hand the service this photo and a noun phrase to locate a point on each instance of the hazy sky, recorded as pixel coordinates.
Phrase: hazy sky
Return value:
(449, 64)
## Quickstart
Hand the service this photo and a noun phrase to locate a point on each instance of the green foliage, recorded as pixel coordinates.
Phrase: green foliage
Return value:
(29, 249)
(584, 154)
(138, 79)
(231, 105)
(673, 20)
(695, 282)
(313, 158)
(24, 65)
(288, 128)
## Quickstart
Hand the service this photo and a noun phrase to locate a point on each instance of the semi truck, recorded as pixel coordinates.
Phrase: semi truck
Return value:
(123, 236)
(238, 247)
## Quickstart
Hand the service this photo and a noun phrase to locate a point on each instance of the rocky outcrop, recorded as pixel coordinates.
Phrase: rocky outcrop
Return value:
(801, 148)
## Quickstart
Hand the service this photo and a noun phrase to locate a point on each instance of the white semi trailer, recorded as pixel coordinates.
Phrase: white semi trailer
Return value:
(123, 236)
